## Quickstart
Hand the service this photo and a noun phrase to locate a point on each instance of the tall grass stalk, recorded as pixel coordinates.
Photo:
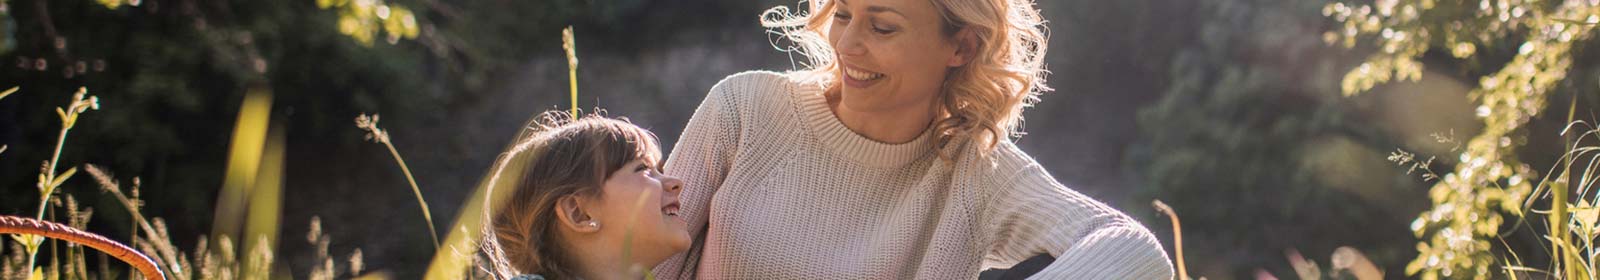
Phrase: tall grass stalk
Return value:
(571, 46)
(1573, 224)
(370, 124)
(1558, 214)
(48, 179)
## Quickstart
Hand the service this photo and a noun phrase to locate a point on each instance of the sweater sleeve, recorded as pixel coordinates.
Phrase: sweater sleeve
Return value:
(1035, 215)
(702, 157)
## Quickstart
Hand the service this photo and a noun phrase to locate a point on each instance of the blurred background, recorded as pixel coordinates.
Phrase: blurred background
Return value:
(1237, 113)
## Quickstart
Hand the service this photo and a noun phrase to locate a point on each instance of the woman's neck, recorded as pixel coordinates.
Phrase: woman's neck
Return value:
(900, 125)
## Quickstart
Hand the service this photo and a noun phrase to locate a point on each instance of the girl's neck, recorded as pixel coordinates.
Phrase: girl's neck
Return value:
(608, 273)
(600, 261)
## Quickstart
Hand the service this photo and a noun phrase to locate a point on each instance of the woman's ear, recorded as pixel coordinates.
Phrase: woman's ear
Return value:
(966, 42)
(571, 215)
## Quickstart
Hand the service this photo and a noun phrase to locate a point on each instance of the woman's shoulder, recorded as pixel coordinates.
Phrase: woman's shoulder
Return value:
(755, 83)
(758, 93)
(752, 76)
(761, 85)
(999, 164)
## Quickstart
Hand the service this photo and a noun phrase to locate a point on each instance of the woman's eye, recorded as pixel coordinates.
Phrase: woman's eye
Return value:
(881, 30)
(841, 16)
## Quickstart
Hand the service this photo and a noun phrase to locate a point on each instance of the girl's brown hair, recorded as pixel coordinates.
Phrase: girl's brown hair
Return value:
(555, 156)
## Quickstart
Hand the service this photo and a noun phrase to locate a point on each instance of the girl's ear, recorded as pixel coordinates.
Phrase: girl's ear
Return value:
(966, 42)
(570, 214)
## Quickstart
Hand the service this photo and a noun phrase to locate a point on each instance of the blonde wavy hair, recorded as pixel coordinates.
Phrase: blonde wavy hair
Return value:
(982, 100)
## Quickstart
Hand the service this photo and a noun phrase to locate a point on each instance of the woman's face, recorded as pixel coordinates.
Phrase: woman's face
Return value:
(639, 194)
(891, 53)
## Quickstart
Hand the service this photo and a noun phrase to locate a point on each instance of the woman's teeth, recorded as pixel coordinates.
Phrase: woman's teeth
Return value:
(861, 75)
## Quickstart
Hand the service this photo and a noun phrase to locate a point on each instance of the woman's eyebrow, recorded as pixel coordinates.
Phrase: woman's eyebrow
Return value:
(877, 9)
(882, 9)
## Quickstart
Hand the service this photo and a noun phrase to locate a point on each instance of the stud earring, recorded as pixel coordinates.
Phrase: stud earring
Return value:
(592, 224)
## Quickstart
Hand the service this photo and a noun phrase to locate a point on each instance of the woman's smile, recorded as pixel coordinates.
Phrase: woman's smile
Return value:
(855, 77)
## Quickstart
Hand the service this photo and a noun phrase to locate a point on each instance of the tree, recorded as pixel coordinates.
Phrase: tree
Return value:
(1255, 147)
(1470, 202)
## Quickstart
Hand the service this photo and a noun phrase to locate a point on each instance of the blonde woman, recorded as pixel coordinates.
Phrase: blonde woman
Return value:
(890, 157)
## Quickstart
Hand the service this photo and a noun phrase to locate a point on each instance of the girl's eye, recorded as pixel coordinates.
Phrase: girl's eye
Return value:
(840, 16)
(641, 168)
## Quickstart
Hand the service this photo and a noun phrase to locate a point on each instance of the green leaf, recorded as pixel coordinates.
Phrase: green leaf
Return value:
(63, 177)
(1586, 216)
(31, 242)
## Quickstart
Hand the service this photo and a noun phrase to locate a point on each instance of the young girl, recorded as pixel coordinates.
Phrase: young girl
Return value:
(587, 200)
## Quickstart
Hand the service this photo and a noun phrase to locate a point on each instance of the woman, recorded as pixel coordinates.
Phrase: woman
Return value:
(890, 157)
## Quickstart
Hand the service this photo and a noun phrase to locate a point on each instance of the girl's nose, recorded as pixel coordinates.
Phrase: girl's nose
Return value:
(672, 184)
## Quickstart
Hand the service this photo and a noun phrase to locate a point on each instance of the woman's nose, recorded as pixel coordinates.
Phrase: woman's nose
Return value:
(849, 44)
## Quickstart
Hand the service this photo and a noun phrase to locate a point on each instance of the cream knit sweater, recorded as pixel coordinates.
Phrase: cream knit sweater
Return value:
(778, 188)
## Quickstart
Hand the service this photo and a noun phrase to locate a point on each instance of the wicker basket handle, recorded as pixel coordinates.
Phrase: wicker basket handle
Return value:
(13, 224)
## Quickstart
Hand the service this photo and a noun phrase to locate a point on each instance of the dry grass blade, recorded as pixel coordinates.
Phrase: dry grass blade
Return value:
(156, 241)
(8, 92)
(1177, 236)
(20, 225)
(370, 124)
(486, 198)
(243, 166)
(3, 96)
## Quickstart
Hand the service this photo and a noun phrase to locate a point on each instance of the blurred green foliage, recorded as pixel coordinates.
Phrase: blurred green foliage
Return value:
(1253, 144)
(364, 19)
(1471, 201)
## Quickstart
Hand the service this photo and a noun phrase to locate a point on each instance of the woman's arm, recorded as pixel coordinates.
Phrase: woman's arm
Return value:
(1035, 214)
(702, 158)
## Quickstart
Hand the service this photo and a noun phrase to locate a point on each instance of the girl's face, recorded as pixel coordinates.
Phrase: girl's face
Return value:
(644, 202)
(891, 53)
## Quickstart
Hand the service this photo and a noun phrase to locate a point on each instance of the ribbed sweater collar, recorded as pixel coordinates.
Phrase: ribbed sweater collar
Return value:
(833, 135)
